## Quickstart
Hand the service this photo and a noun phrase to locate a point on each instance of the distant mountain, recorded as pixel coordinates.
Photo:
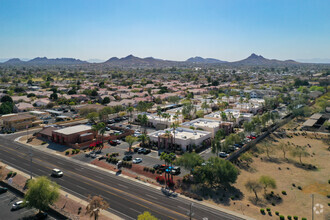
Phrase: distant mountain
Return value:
(258, 60)
(315, 60)
(133, 61)
(57, 61)
(95, 61)
(204, 60)
(14, 61)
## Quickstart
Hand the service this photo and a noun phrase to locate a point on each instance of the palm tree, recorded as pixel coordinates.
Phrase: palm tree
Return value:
(144, 122)
(100, 129)
(130, 110)
(174, 126)
(130, 140)
(143, 138)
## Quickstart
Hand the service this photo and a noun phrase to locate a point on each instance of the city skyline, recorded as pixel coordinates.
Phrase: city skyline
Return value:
(224, 30)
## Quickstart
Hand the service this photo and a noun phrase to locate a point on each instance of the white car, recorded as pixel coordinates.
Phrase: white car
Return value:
(57, 172)
(18, 205)
(137, 160)
(223, 154)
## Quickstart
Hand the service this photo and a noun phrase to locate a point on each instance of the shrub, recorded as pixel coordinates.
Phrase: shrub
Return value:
(9, 174)
(328, 196)
(328, 204)
(160, 179)
(152, 170)
(268, 209)
(73, 151)
(299, 187)
(107, 154)
(294, 185)
(170, 183)
(77, 151)
(67, 152)
(262, 211)
(303, 218)
(284, 192)
(281, 217)
(14, 174)
(295, 217)
(232, 197)
(289, 217)
(277, 213)
(273, 204)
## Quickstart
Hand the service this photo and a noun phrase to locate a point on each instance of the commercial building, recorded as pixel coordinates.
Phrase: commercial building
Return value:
(74, 134)
(204, 124)
(159, 122)
(16, 122)
(183, 137)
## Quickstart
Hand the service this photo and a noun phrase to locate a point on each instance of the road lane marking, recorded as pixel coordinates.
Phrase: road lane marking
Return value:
(81, 187)
(118, 190)
(135, 210)
(122, 185)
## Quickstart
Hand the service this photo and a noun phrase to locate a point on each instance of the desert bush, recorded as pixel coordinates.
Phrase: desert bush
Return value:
(295, 217)
(284, 192)
(268, 209)
(67, 152)
(281, 217)
(160, 179)
(289, 217)
(303, 218)
(299, 187)
(232, 197)
(262, 211)
(277, 213)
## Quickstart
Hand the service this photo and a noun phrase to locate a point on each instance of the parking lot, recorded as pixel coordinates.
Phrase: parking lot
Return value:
(7, 199)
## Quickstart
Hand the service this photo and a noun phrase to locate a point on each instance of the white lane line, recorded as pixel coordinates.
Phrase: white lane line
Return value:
(150, 196)
(181, 207)
(60, 163)
(41, 170)
(80, 187)
(134, 210)
(122, 185)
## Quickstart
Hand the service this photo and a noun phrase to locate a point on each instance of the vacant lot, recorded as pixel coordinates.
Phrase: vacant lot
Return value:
(298, 180)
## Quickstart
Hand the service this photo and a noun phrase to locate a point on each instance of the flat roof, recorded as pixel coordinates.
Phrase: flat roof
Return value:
(316, 116)
(73, 129)
(182, 133)
(202, 122)
(310, 122)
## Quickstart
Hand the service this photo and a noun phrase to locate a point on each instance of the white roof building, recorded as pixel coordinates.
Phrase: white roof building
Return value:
(206, 124)
(184, 137)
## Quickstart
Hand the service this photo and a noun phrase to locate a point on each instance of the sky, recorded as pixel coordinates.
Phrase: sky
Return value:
(228, 30)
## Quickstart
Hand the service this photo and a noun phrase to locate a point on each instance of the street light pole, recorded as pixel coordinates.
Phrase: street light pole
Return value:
(312, 206)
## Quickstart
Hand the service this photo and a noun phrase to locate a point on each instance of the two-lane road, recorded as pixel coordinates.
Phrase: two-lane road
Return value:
(127, 198)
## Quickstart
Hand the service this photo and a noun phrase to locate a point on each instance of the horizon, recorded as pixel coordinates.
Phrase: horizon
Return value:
(224, 30)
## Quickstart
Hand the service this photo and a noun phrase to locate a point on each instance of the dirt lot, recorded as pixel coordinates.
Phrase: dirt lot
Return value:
(289, 175)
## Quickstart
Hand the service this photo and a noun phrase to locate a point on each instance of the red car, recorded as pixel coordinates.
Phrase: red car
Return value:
(251, 137)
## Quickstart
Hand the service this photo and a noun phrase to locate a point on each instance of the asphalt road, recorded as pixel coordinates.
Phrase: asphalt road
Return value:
(127, 198)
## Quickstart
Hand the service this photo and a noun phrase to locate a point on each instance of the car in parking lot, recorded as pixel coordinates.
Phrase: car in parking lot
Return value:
(238, 145)
(176, 170)
(113, 142)
(18, 205)
(157, 166)
(127, 158)
(57, 172)
(223, 154)
(111, 121)
(136, 150)
(107, 128)
(163, 167)
(3, 190)
(137, 160)
(128, 126)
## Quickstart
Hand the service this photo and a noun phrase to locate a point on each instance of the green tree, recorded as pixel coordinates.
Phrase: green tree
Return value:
(146, 216)
(267, 182)
(6, 108)
(41, 193)
(168, 159)
(95, 205)
(215, 172)
(246, 158)
(267, 147)
(92, 117)
(130, 140)
(6, 98)
(284, 148)
(106, 100)
(189, 160)
(130, 110)
(299, 151)
(253, 186)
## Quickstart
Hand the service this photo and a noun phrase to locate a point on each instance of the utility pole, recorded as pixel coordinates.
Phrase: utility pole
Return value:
(312, 206)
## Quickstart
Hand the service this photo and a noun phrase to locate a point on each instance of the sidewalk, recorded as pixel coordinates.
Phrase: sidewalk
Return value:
(67, 204)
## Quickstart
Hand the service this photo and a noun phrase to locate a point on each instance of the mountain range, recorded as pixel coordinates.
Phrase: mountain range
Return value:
(131, 61)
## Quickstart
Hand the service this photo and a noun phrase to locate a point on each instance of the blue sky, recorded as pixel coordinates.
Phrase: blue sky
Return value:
(176, 30)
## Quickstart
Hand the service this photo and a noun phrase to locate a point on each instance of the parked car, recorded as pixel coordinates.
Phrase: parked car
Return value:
(117, 119)
(136, 150)
(176, 170)
(107, 128)
(137, 160)
(146, 151)
(128, 126)
(41, 215)
(163, 167)
(113, 143)
(45, 122)
(238, 145)
(3, 189)
(111, 121)
(141, 150)
(18, 205)
(223, 154)
(157, 166)
(57, 172)
(127, 158)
